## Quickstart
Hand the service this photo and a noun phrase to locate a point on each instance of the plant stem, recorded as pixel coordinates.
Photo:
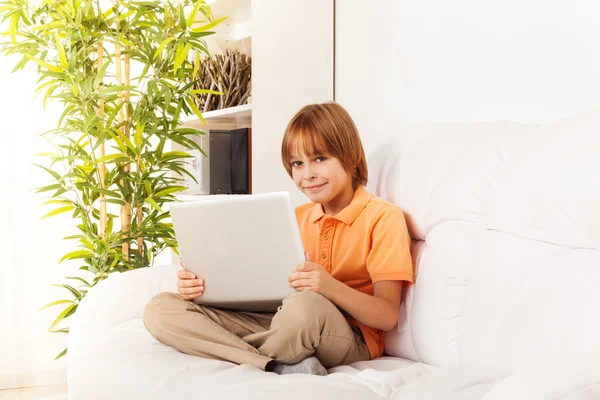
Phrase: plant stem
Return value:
(102, 166)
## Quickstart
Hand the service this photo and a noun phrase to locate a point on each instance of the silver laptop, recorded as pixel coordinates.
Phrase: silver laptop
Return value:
(243, 246)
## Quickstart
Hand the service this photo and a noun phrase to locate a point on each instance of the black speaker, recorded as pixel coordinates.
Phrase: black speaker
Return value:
(239, 161)
(219, 159)
(228, 160)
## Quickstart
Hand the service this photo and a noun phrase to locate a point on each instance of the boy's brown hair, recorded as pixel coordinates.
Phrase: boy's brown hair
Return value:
(325, 129)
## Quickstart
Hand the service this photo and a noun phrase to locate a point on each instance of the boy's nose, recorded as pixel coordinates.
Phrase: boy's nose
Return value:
(309, 174)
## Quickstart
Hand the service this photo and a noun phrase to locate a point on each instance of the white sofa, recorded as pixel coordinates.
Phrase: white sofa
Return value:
(506, 225)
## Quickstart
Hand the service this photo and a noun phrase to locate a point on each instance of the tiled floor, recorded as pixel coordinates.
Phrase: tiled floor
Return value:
(51, 392)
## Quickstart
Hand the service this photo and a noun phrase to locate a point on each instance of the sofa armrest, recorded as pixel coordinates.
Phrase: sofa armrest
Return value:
(122, 297)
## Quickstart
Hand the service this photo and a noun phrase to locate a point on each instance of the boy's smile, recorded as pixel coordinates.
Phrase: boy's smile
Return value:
(323, 179)
(314, 188)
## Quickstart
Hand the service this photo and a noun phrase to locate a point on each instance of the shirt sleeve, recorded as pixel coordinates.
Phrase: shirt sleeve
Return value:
(389, 258)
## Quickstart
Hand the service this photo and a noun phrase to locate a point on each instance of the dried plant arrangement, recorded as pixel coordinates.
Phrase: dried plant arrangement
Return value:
(230, 74)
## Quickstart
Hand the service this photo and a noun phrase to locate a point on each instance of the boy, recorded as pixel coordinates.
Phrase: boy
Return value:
(347, 291)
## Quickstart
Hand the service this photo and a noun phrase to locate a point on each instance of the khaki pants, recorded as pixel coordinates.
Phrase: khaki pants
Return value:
(306, 324)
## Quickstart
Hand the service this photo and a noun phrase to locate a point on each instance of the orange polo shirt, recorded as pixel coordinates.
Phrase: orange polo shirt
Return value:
(365, 243)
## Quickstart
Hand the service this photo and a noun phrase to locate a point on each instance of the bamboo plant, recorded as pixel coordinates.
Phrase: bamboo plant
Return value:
(123, 74)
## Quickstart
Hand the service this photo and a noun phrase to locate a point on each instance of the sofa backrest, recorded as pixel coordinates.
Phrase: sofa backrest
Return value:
(505, 221)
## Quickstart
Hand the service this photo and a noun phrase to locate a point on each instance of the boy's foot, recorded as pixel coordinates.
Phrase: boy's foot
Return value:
(310, 365)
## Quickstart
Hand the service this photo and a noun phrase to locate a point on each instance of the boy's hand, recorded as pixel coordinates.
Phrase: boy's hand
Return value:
(187, 285)
(312, 276)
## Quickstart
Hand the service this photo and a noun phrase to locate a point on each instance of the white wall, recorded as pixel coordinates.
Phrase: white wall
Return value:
(292, 65)
(465, 60)
(30, 248)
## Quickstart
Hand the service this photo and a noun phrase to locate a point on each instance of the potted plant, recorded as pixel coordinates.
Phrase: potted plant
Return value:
(122, 72)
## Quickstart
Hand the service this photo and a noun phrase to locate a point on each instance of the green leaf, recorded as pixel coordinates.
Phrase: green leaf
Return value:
(61, 330)
(62, 353)
(61, 51)
(76, 254)
(192, 105)
(115, 201)
(109, 224)
(138, 135)
(48, 188)
(71, 289)
(153, 203)
(182, 22)
(55, 174)
(66, 112)
(115, 89)
(125, 139)
(118, 141)
(61, 316)
(109, 157)
(43, 64)
(56, 201)
(127, 14)
(59, 210)
(49, 92)
(170, 190)
(12, 29)
(192, 17)
(205, 91)
(176, 154)
(20, 64)
(79, 279)
(55, 303)
(189, 131)
(162, 46)
(51, 25)
(73, 237)
(209, 26)
(39, 88)
(107, 192)
(179, 56)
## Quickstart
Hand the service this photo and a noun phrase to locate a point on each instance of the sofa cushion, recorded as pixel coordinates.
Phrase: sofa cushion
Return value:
(505, 222)
(125, 362)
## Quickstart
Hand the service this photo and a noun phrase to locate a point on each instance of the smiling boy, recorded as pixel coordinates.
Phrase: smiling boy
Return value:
(349, 288)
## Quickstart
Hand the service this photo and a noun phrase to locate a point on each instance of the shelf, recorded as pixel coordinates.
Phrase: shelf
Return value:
(233, 115)
(190, 197)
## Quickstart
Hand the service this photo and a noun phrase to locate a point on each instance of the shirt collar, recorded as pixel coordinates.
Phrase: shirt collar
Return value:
(350, 212)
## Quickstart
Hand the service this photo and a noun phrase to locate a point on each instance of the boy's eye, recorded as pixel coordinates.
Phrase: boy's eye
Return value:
(320, 159)
(296, 163)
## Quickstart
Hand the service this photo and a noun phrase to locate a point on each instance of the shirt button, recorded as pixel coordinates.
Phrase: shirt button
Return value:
(326, 237)
(323, 256)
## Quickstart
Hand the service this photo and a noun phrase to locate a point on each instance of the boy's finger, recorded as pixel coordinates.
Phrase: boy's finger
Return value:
(189, 296)
(183, 274)
(301, 267)
(305, 266)
(192, 290)
(298, 275)
(190, 282)
(298, 283)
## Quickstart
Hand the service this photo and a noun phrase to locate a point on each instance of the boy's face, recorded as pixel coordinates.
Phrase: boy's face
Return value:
(323, 179)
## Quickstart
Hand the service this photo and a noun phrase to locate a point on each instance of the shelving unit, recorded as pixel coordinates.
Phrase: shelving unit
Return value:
(233, 33)
(239, 115)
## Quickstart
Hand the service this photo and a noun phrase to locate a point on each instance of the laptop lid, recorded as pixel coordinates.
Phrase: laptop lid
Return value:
(243, 246)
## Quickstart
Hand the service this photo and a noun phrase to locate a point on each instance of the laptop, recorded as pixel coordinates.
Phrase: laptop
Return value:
(243, 246)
